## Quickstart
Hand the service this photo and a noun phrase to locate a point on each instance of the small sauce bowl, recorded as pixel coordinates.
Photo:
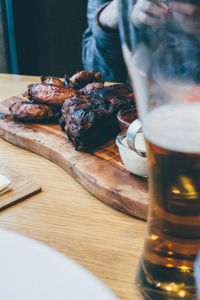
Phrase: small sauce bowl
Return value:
(126, 117)
(133, 162)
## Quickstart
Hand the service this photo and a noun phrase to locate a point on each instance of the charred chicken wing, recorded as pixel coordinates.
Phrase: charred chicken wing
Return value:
(91, 88)
(49, 93)
(24, 111)
(51, 80)
(81, 79)
(90, 120)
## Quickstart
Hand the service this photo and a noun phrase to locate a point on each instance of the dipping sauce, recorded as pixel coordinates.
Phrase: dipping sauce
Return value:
(134, 162)
(126, 117)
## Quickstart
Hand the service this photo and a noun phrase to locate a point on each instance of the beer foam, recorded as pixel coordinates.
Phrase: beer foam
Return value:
(174, 127)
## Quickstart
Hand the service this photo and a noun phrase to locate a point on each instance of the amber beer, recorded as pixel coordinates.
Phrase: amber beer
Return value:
(173, 239)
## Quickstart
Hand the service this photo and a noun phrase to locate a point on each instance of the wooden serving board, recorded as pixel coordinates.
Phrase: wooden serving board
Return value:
(100, 172)
(21, 188)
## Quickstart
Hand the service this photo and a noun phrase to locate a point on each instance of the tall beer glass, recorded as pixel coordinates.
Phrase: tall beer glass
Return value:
(161, 47)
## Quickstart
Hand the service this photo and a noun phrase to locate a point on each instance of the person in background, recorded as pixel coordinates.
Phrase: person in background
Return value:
(101, 49)
(101, 43)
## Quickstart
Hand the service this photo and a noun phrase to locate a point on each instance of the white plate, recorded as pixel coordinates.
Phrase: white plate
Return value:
(30, 270)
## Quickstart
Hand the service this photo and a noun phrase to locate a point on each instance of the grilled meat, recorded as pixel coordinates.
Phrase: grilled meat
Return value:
(91, 88)
(88, 108)
(50, 93)
(51, 80)
(81, 79)
(90, 120)
(24, 111)
(121, 93)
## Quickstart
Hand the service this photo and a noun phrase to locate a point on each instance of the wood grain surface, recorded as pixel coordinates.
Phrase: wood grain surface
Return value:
(22, 188)
(67, 217)
(100, 172)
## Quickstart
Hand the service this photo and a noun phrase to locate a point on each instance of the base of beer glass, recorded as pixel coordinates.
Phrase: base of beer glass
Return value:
(151, 291)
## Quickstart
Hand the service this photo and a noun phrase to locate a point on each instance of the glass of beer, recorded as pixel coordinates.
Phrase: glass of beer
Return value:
(161, 47)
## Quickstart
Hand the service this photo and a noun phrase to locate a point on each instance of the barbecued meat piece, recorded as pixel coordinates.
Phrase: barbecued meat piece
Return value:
(90, 120)
(117, 93)
(24, 111)
(91, 88)
(51, 80)
(82, 78)
(49, 93)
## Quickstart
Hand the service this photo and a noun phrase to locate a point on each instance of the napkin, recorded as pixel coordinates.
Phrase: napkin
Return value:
(5, 184)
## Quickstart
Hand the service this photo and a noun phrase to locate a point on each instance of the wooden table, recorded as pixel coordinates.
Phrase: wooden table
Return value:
(66, 217)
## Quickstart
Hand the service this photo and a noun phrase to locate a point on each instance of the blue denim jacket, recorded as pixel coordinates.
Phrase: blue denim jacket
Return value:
(101, 50)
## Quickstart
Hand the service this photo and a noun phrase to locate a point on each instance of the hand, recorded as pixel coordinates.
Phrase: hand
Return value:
(149, 13)
(187, 16)
(108, 17)
(185, 8)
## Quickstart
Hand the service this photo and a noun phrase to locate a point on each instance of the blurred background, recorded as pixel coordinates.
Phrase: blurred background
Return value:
(41, 37)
